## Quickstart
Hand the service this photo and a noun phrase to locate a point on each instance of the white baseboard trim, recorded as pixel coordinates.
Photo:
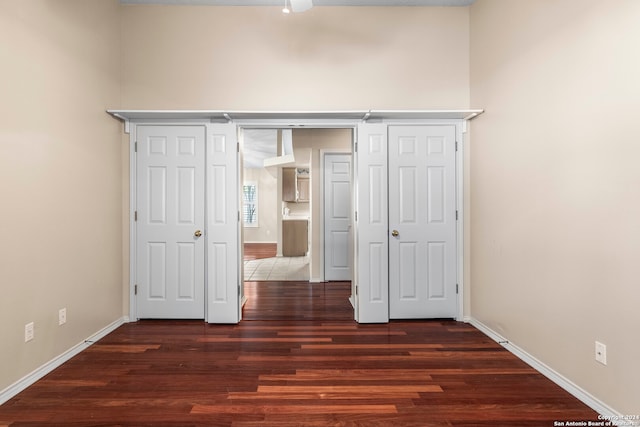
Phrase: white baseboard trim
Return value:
(352, 301)
(315, 280)
(271, 243)
(43, 370)
(585, 397)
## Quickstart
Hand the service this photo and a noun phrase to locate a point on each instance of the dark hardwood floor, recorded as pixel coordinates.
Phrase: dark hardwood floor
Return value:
(297, 301)
(305, 364)
(259, 250)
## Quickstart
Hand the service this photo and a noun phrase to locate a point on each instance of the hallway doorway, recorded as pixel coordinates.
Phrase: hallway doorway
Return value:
(284, 171)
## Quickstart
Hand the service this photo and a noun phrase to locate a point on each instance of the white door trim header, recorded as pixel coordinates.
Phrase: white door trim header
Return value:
(337, 118)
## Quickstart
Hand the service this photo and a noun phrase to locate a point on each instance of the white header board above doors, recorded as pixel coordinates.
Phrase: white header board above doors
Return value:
(292, 118)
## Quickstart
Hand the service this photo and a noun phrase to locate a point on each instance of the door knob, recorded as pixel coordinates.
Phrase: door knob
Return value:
(198, 233)
(395, 233)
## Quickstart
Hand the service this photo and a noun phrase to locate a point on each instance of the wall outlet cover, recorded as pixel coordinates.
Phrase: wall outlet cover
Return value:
(601, 353)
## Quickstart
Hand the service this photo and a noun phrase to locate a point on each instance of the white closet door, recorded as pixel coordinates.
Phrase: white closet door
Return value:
(338, 251)
(422, 222)
(223, 224)
(371, 275)
(170, 208)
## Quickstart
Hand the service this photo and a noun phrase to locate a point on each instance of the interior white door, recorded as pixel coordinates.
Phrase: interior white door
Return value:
(422, 222)
(338, 250)
(170, 222)
(224, 260)
(371, 266)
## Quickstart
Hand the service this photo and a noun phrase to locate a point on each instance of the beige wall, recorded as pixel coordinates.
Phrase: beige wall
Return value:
(267, 229)
(60, 177)
(178, 57)
(555, 226)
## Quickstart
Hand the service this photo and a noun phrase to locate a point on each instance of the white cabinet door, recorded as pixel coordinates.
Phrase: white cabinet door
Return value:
(371, 268)
(422, 222)
(170, 209)
(338, 250)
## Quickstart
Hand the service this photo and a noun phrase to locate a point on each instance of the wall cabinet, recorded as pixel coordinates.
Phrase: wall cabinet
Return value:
(295, 237)
(289, 185)
(295, 188)
(303, 189)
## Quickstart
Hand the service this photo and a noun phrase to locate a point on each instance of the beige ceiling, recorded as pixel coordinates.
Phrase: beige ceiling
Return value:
(315, 2)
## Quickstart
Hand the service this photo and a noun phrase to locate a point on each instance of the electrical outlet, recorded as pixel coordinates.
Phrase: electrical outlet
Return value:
(62, 316)
(28, 332)
(601, 353)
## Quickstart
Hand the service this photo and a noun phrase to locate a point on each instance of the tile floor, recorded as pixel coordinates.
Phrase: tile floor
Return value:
(277, 268)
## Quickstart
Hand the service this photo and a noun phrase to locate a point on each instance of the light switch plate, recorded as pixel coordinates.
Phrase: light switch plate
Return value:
(28, 332)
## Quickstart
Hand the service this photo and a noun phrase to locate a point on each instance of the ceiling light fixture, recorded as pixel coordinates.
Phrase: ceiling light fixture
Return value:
(285, 9)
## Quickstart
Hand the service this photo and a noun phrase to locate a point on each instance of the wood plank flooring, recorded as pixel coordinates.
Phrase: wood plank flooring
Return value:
(288, 370)
(298, 301)
(259, 250)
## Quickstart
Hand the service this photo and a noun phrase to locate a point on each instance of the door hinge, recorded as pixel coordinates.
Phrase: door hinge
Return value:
(238, 147)
(456, 215)
(456, 288)
(456, 145)
(356, 216)
(135, 146)
(356, 289)
(355, 147)
(135, 289)
(135, 215)
(238, 216)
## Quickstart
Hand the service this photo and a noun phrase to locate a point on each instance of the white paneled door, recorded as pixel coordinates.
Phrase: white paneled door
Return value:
(422, 222)
(170, 222)
(224, 259)
(337, 217)
(371, 260)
